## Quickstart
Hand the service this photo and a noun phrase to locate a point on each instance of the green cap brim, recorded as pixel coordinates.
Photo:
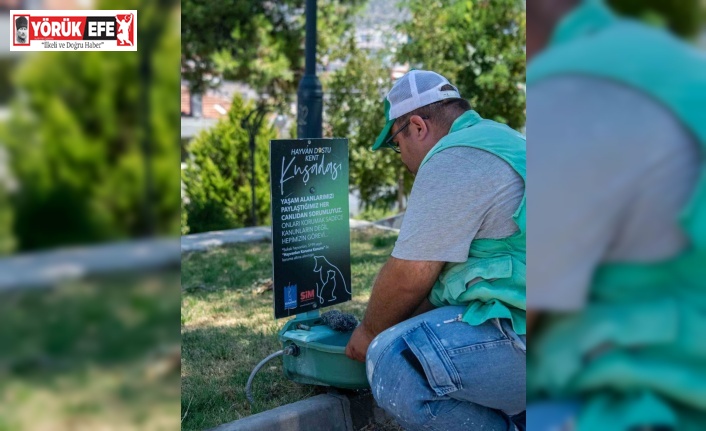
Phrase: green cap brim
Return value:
(380, 141)
(382, 137)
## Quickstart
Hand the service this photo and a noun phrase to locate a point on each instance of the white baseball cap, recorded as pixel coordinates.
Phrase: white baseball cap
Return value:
(415, 89)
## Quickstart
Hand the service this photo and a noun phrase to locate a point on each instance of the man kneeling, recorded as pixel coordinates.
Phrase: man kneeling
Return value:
(443, 336)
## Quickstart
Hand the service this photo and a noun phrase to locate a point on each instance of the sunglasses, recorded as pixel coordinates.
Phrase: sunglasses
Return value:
(390, 142)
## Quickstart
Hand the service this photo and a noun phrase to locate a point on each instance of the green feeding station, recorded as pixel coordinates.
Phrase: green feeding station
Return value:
(311, 262)
(311, 243)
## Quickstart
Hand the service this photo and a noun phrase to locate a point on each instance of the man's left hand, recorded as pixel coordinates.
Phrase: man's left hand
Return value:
(358, 344)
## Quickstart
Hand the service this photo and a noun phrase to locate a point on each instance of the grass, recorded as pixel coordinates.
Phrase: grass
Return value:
(96, 354)
(227, 328)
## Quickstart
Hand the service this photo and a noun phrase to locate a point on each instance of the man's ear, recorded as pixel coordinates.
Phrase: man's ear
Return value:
(418, 127)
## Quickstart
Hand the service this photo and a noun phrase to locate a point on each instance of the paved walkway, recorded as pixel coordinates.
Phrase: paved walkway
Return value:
(208, 240)
(47, 268)
(217, 238)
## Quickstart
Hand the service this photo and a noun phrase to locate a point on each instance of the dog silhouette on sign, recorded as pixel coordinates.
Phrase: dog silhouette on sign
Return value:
(330, 277)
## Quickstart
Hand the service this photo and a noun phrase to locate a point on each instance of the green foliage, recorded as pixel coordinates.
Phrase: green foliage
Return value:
(76, 134)
(256, 42)
(217, 174)
(334, 23)
(354, 109)
(384, 241)
(231, 33)
(261, 44)
(6, 66)
(7, 240)
(680, 16)
(184, 220)
(373, 214)
(478, 45)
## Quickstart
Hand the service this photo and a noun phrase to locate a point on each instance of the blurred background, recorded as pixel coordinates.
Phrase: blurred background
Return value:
(616, 273)
(89, 224)
(92, 148)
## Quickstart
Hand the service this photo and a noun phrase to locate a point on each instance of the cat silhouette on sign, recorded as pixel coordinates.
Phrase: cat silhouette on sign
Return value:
(330, 277)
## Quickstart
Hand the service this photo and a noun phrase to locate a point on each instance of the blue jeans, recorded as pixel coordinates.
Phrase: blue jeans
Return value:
(553, 415)
(434, 372)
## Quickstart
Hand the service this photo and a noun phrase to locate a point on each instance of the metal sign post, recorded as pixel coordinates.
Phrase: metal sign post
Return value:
(310, 103)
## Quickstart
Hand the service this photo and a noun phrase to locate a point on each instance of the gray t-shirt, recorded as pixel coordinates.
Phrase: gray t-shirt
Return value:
(609, 170)
(461, 193)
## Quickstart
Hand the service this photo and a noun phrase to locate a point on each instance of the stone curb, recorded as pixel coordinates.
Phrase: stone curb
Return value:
(335, 411)
(326, 412)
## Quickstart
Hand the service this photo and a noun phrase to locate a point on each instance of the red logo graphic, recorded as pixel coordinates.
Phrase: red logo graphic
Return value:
(306, 295)
(126, 33)
(56, 28)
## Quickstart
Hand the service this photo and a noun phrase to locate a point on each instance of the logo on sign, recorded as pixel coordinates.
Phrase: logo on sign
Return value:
(307, 295)
(69, 30)
(290, 296)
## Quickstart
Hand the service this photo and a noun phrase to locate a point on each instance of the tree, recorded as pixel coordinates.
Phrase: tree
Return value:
(75, 138)
(488, 72)
(479, 45)
(217, 174)
(241, 36)
(354, 109)
(259, 43)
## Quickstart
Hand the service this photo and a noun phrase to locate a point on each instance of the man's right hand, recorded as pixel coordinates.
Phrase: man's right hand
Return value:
(357, 346)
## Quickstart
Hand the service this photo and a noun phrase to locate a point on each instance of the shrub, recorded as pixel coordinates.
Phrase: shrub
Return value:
(217, 174)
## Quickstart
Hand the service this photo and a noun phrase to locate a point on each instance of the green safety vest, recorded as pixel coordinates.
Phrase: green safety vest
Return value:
(637, 353)
(492, 281)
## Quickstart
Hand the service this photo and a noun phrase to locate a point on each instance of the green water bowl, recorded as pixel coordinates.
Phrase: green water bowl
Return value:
(319, 356)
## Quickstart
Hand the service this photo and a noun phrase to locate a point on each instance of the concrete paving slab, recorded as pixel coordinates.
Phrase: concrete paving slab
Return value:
(326, 412)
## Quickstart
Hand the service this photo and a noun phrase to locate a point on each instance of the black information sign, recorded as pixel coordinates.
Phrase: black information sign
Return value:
(310, 227)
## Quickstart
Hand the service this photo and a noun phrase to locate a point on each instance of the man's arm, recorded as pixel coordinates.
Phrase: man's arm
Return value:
(399, 290)
(425, 306)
